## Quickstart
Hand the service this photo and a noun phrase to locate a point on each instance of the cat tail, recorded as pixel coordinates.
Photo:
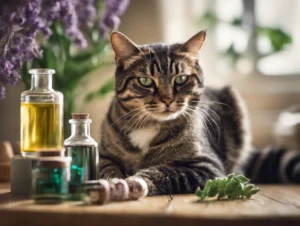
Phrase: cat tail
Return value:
(273, 165)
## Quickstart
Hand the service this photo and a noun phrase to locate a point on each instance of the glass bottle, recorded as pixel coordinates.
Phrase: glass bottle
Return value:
(84, 152)
(41, 115)
(50, 179)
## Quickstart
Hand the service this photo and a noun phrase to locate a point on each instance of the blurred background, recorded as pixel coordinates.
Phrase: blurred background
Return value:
(252, 45)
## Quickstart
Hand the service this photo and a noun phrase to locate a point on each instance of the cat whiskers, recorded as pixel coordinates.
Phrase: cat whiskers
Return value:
(195, 119)
(183, 114)
(132, 117)
(208, 117)
(137, 121)
(126, 115)
(215, 113)
(140, 120)
(213, 102)
(145, 121)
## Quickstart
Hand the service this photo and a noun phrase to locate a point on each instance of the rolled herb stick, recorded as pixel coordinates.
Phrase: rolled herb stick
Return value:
(103, 191)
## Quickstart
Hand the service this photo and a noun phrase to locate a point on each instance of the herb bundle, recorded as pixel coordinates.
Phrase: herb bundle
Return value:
(231, 187)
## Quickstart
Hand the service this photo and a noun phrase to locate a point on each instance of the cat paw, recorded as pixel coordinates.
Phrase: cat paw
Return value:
(138, 188)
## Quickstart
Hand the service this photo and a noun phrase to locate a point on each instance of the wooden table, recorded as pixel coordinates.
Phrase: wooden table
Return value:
(274, 205)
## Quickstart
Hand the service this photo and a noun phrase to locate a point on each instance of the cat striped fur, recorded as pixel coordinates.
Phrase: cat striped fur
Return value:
(166, 127)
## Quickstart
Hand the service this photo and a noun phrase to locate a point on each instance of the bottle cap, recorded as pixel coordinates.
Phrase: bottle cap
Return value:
(80, 116)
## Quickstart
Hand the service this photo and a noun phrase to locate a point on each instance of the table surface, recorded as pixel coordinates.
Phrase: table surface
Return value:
(274, 205)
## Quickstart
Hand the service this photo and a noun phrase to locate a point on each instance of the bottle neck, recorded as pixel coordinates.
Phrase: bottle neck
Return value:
(80, 129)
(41, 81)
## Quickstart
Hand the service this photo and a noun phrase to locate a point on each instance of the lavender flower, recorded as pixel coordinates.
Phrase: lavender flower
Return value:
(86, 12)
(17, 38)
(111, 18)
(69, 17)
(22, 20)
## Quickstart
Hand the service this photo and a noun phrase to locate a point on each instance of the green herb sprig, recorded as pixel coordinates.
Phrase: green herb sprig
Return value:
(231, 187)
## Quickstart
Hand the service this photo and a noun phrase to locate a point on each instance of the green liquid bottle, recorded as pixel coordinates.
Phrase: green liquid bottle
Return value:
(50, 180)
(84, 152)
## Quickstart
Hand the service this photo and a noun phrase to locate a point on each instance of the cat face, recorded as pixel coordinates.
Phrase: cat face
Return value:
(160, 81)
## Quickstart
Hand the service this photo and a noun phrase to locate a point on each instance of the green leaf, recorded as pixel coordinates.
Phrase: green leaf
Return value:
(221, 194)
(278, 38)
(49, 58)
(230, 177)
(199, 192)
(221, 182)
(232, 196)
(240, 188)
(237, 22)
(26, 76)
(248, 188)
(242, 178)
(213, 191)
(254, 191)
(230, 188)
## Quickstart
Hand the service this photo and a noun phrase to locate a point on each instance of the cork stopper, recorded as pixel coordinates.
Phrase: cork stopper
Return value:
(80, 116)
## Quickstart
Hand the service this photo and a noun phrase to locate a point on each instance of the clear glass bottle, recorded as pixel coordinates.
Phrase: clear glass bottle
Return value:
(84, 152)
(41, 115)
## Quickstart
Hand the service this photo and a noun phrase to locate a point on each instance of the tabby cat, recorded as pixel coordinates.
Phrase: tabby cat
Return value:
(166, 127)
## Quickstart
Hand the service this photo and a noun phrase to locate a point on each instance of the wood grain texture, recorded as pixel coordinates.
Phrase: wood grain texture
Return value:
(274, 205)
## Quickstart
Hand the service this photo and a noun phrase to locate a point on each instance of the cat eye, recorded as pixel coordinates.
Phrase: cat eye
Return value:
(146, 81)
(181, 79)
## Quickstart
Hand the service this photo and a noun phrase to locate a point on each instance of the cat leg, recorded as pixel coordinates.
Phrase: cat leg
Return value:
(109, 169)
(181, 176)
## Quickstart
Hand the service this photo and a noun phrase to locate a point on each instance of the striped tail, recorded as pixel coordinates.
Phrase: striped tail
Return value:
(274, 165)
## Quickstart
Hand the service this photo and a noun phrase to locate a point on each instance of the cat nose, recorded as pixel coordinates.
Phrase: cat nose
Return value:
(167, 100)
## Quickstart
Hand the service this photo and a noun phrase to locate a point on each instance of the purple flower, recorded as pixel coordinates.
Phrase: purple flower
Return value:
(22, 20)
(86, 12)
(111, 17)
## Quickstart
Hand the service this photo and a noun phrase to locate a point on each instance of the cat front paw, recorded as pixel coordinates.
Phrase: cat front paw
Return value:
(138, 188)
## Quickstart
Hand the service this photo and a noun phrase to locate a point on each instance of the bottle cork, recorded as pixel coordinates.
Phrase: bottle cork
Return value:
(80, 116)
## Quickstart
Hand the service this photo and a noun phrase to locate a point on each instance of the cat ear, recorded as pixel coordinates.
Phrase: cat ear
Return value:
(194, 44)
(122, 46)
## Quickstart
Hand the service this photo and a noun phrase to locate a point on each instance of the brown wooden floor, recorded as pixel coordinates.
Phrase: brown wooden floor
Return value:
(274, 205)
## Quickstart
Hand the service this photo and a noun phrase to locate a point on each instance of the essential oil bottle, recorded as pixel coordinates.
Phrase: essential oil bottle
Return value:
(41, 115)
(84, 152)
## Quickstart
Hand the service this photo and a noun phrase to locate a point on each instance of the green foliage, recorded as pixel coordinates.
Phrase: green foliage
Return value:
(209, 18)
(70, 64)
(232, 187)
(107, 87)
(277, 37)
